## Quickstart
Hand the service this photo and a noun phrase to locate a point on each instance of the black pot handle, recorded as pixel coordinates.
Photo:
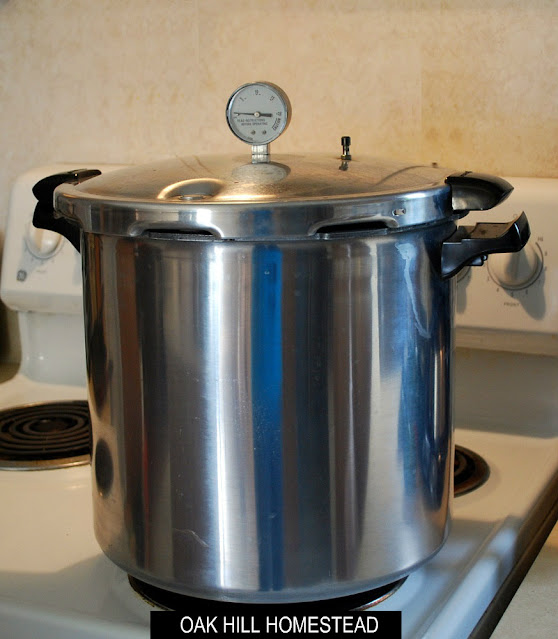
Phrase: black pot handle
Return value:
(44, 217)
(476, 191)
(472, 244)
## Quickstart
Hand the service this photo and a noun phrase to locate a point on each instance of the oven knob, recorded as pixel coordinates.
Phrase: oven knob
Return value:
(515, 271)
(42, 243)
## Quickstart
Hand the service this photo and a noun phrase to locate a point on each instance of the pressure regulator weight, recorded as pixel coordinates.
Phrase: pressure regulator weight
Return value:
(258, 113)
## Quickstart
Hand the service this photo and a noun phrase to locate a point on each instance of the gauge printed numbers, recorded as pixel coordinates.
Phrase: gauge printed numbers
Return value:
(251, 116)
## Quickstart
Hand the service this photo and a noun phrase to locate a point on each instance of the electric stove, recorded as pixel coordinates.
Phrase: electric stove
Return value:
(56, 583)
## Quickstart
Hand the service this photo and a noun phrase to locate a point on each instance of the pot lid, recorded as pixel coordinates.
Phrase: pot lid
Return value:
(265, 196)
(230, 197)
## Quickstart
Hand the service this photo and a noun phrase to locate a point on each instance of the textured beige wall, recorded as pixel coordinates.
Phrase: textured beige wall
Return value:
(466, 83)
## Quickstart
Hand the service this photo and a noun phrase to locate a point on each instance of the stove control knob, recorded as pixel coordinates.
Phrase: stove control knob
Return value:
(41, 243)
(514, 271)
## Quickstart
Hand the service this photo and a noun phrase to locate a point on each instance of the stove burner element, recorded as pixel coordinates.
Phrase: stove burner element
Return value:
(469, 471)
(169, 600)
(45, 436)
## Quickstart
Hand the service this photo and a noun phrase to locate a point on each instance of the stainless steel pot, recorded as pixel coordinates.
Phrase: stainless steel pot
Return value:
(269, 352)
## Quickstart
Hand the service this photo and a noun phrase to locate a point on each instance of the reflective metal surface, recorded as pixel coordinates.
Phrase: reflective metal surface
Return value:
(271, 421)
(293, 196)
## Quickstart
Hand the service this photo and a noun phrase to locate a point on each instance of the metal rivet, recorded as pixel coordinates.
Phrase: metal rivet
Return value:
(192, 196)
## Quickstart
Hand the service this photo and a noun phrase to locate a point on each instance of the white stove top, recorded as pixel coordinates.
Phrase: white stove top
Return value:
(54, 578)
(496, 526)
(55, 582)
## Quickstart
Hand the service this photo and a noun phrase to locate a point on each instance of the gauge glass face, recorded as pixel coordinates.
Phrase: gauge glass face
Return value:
(258, 113)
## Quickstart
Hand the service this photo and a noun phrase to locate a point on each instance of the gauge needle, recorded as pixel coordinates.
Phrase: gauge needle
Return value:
(257, 114)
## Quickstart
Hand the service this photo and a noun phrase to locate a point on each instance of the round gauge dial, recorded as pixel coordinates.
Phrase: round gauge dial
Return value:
(258, 112)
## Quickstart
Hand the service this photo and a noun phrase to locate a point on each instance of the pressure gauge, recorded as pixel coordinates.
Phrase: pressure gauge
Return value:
(258, 112)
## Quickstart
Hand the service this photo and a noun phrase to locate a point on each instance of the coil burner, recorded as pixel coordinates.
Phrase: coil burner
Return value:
(469, 471)
(173, 601)
(44, 436)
